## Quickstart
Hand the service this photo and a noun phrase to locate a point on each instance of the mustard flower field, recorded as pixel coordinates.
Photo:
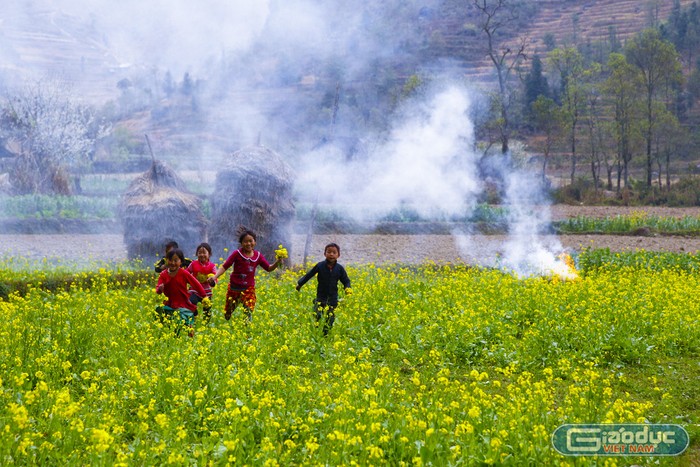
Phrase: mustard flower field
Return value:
(430, 365)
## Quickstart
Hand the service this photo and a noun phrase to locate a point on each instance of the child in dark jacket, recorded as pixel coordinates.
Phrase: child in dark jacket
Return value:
(328, 273)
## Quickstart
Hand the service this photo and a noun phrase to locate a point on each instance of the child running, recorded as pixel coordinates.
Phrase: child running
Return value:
(173, 283)
(161, 265)
(202, 269)
(328, 273)
(241, 288)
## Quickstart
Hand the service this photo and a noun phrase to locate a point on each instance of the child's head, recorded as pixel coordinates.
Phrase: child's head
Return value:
(203, 251)
(174, 258)
(243, 232)
(247, 239)
(172, 244)
(331, 252)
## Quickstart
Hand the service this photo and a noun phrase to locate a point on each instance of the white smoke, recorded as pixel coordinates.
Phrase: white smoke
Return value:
(528, 250)
(172, 34)
(425, 164)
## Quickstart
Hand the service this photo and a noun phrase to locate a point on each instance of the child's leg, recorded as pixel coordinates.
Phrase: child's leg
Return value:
(232, 297)
(319, 308)
(330, 319)
(206, 315)
(164, 313)
(194, 299)
(322, 309)
(248, 298)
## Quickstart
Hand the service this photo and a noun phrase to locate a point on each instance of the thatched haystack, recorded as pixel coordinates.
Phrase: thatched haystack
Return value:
(253, 189)
(157, 208)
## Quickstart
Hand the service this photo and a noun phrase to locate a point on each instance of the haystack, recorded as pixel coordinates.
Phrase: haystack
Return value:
(253, 189)
(157, 208)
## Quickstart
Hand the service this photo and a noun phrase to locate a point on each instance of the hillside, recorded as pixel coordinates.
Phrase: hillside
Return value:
(455, 34)
(38, 42)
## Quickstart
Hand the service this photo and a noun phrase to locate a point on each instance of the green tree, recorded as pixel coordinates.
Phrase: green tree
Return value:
(535, 84)
(659, 65)
(669, 138)
(549, 120)
(568, 63)
(622, 89)
(595, 136)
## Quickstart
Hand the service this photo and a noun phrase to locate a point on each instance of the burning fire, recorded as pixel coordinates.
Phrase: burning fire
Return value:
(567, 267)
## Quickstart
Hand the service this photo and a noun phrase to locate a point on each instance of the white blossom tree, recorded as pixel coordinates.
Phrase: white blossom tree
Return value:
(51, 132)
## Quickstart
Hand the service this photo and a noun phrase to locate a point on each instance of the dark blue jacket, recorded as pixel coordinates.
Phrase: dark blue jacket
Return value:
(327, 290)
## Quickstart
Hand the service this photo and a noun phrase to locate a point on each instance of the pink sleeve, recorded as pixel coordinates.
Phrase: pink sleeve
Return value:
(264, 263)
(229, 261)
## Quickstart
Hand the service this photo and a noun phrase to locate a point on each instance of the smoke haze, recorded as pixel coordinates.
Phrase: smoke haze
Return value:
(268, 71)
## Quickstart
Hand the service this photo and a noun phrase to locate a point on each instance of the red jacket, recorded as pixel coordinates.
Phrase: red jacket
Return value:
(176, 291)
(202, 272)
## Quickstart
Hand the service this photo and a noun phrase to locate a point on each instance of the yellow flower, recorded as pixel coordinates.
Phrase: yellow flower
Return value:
(281, 252)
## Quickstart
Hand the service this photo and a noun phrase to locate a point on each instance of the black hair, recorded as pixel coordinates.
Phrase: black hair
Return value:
(175, 251)
(332, 245)
(171, 244)
(204, 245)
(243, 231)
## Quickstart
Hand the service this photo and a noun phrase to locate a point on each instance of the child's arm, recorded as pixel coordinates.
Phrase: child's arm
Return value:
(312, 272)
(195, 284)
(162, 280)
(160, 265)
(345, 280)
(222, 269)
(219, 272)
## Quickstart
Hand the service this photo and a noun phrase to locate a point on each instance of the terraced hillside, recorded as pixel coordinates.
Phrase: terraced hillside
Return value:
(580, 22)
(38, 42)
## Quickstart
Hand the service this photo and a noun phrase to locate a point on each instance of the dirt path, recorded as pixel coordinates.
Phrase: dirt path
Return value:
(382, 249)
(356, 249)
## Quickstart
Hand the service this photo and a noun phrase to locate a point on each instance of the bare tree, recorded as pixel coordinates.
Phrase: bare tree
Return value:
(498, 15)
(53, 134)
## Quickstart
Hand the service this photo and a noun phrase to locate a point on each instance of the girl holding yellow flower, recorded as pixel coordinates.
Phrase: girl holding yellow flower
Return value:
(245, 260)
(203, 269)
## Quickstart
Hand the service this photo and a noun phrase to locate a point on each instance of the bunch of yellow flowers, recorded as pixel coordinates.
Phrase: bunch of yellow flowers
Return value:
(281, 252)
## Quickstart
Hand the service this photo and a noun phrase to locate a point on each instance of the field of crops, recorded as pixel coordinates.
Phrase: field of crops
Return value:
(428, 365)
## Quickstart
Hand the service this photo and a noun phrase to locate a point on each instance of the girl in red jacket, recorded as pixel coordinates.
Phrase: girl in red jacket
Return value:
(173, 282)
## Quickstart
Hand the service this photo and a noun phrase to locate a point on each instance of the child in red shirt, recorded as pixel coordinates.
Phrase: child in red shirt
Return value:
(173, 283)
(202, 269)
(241, 288)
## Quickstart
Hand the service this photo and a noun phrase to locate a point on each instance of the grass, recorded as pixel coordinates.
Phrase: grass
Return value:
(486, 218)
(639, 223)
(426, 365)
(58, 207)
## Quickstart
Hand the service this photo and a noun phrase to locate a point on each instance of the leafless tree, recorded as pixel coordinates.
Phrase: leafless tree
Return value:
(496, 16)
